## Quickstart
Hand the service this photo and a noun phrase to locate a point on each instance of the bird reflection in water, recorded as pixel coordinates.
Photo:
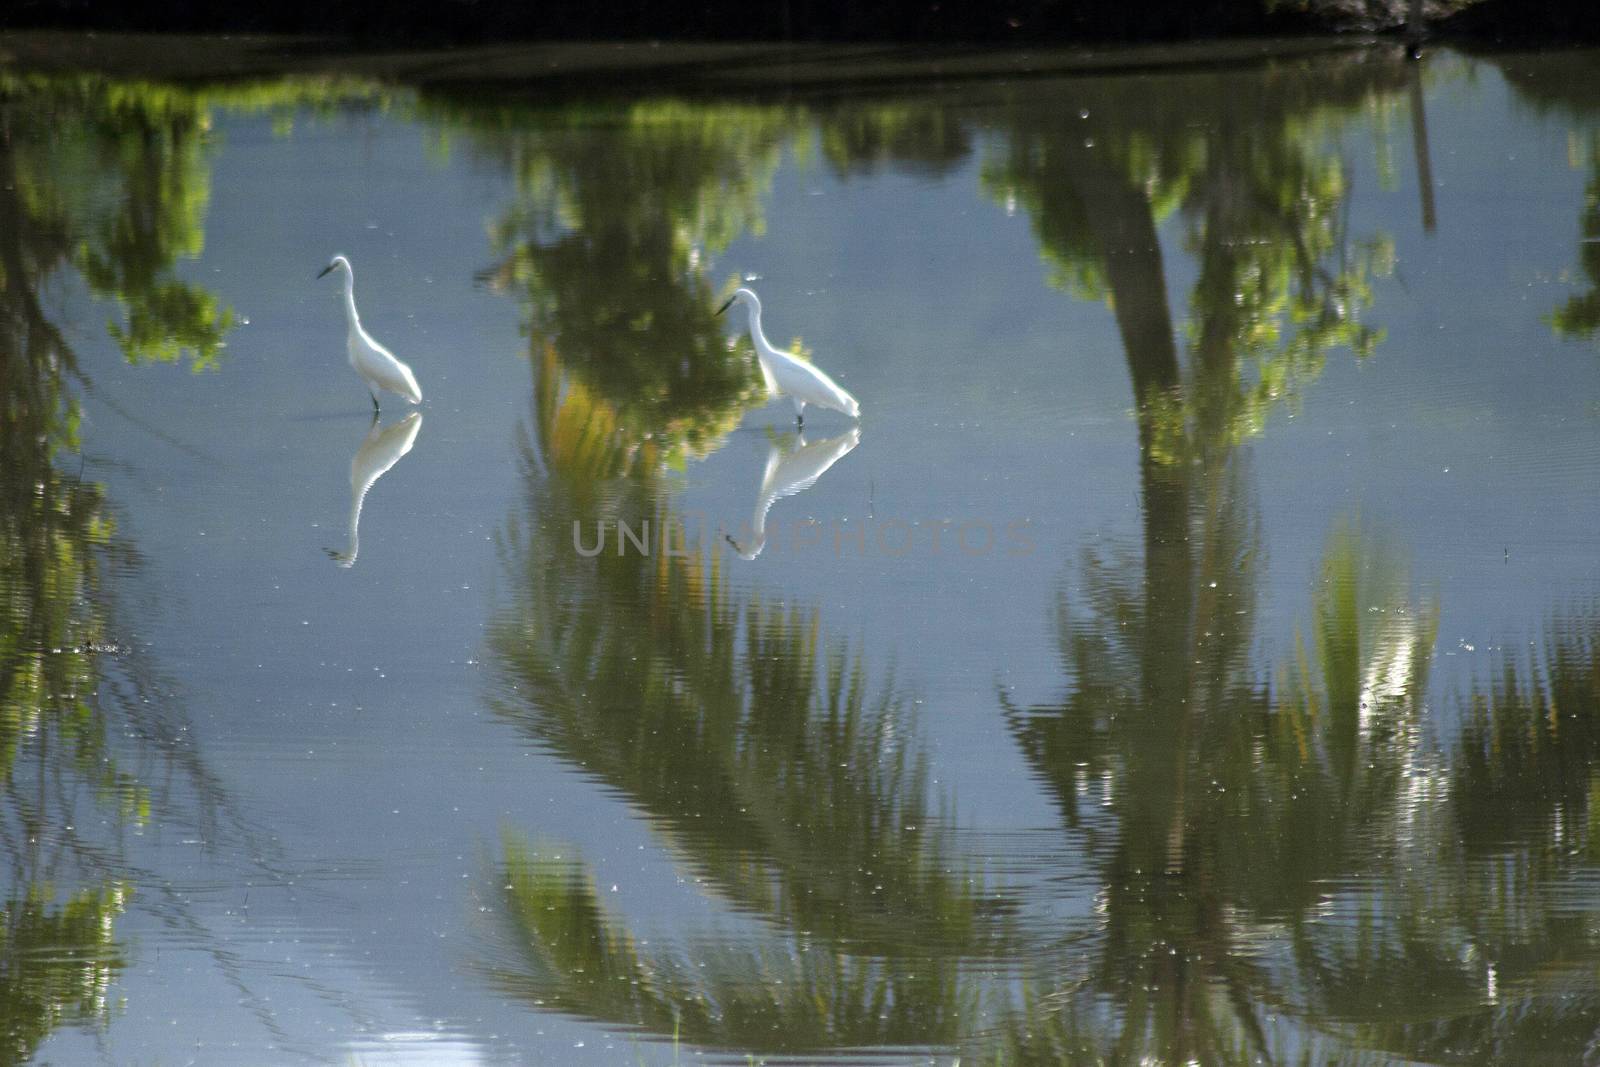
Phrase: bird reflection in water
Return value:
(793, 466)
(381, 449)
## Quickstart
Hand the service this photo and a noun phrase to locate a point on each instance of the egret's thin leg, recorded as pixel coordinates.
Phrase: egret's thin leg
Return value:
(799, 421)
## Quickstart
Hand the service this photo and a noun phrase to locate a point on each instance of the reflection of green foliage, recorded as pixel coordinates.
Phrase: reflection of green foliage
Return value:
(922, 139)
(607, 243)
(1281, 283)
(123, 175)
(1529, 753)
(1338, 883)
(55, 533)
(1580, 315)
(574, 956)
(1221, 803)
(764, 756)
(1334, 753)
(54, 529)
(1492, 954)
(108, 179)
(1225, 807)
(1565, 85)
(1158, 727)
(56, 965)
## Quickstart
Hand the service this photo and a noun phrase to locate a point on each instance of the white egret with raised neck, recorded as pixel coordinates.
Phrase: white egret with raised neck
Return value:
(787, 374)
(376, 364)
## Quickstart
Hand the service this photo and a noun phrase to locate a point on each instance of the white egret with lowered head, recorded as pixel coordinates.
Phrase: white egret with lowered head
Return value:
(376, 364)
(789, 375)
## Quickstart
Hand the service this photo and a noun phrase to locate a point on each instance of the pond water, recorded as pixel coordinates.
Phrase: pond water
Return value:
(1191, 654)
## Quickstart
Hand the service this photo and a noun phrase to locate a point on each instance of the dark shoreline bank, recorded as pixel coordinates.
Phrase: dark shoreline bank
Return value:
(600, 69)
(1007, 23)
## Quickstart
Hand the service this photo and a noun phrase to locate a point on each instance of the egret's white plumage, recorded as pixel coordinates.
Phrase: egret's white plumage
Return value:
(381, 449)
(788, 375)
(791, 470)
(376, 364)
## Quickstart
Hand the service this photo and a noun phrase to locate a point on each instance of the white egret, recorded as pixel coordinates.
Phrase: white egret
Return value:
(789, 375)
(789, 471)
(376, 364)
(380, 450)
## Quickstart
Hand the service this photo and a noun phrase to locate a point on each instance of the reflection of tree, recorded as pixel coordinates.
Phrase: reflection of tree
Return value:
(707, 713)
(1473, 940)
(913, 137)
(1225, 806)
(1580, 315)
(1260, 839)
(59, 961)
(607, 244)
(1219, 801)
(1247, 161)
(121, 177)
(768, 760)
(765, 756)
(778, 999)
(1565, 87)
(648, 672)
(1334, 872)
(97, 179)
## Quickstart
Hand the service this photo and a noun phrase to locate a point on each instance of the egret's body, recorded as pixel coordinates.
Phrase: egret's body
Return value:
(376, 364)
(788, 375)
(789, 471)
(381, 449)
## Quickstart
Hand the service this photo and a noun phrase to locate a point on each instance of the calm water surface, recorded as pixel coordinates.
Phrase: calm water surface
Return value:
(1192, 655)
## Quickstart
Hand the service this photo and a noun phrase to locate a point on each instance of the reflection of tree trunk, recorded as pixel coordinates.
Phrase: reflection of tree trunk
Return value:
(1214, 291)
(1124, 225)
(26, 348)
(1419, 140)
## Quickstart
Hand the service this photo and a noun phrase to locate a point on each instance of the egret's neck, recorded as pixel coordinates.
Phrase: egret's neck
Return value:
(356, 500)
(350, 299)
(756, 335)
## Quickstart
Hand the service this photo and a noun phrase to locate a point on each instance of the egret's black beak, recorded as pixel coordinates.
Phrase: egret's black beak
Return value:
(325, 270)
(727, 305)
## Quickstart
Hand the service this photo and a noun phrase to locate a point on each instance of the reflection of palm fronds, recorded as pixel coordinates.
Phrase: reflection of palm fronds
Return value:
(1525, 763)
(567, 952)
(764, 756)
(56, 964)
(1224, 807)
